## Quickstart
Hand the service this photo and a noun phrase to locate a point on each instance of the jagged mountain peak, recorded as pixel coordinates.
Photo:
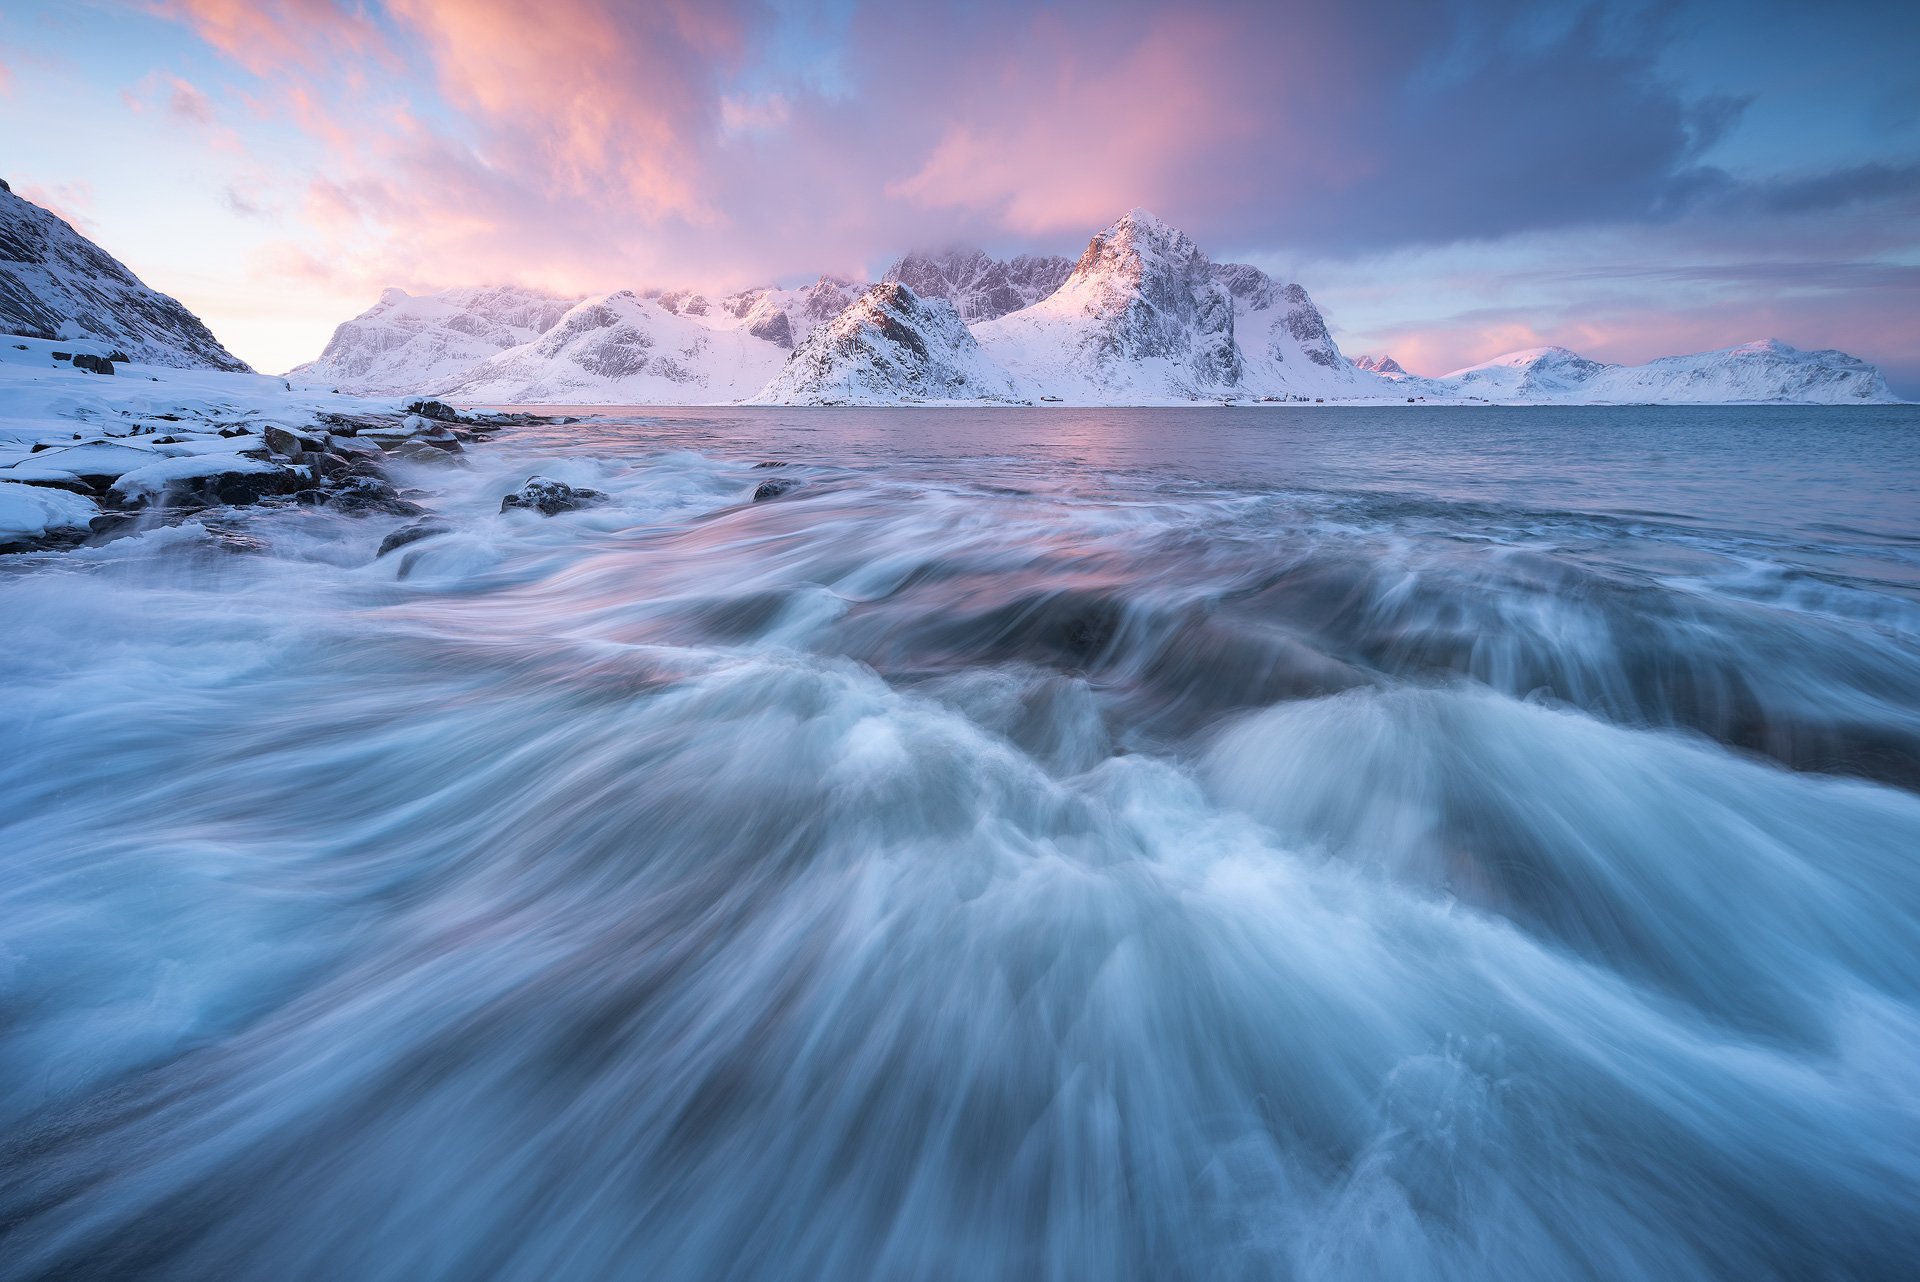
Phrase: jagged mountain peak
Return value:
(979, 286)
(1383, 365)
(57, 284)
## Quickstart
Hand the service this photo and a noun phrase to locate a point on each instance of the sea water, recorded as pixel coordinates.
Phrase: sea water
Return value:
(1295, 842)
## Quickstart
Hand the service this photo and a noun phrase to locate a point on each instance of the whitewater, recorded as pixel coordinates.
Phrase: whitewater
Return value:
(1300, 842)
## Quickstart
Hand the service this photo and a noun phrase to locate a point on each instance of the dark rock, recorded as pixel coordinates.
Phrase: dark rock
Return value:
(92, 364)
(293, 444)
(549, 497)
(63, 356)
(768, 464)
(411, 533)
(439, 411)
(236, 430)
(311, 498)
(773, 489)
(428, 451)
(369, 494)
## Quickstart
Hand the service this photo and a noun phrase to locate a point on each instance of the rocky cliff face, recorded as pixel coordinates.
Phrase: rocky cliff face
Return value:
(890, 346)
(409, 344)
(979, 287)
(57, 284)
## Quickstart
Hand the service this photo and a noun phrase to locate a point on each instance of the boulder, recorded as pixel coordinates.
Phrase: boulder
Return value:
(774, 489)
(549, 497)
(440, 411)
(91, 363)
(411, 533)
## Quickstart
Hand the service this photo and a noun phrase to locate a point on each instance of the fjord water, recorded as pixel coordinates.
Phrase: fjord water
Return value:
(1297, 842)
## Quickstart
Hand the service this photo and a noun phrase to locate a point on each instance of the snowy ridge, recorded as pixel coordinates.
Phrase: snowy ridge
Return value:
(784, 317)
(408, 344)
(890, 346)
(979, 287)
(622, 349)
(57, 284)
(1766, 371)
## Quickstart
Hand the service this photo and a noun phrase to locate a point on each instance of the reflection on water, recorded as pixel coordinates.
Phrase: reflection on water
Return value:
(1453, 844)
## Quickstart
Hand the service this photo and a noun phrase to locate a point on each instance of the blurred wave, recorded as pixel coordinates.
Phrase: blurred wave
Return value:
(956, 871)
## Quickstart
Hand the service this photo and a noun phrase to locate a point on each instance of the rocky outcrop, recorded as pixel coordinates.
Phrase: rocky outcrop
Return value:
(57, 284)
(549, 497)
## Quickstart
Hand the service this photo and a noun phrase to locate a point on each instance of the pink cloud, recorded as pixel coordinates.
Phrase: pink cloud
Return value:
(271, 35)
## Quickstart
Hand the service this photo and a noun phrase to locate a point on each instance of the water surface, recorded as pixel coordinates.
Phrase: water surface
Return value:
(1306, 843)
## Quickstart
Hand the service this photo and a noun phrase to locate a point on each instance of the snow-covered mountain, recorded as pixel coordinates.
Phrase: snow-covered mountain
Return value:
(979, 287)
(1763, 371)
(890, 346)
(420, 343)
(784, 317)
(1141, 318)
(622, 349)
(1146, 318)
(57, 284)
(1535, 374)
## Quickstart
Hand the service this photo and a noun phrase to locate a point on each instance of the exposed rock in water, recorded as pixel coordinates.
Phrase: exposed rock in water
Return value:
(774, 489)
(411, 533)
(549, 497)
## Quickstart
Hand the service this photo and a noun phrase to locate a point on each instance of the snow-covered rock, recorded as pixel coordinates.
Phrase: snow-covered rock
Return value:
(1763, 371)
(979, 287)
(57, 284)
(420, 343)
(784, 317)
(622, 349)
(890, 347)
(30, 514)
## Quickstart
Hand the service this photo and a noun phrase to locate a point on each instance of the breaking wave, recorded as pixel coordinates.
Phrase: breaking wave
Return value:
(950, 873)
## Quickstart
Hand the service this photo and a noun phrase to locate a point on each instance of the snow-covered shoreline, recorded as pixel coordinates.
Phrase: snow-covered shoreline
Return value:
(92, 449)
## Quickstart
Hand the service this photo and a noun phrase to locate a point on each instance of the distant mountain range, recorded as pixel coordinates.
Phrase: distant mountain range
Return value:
(1143, 317)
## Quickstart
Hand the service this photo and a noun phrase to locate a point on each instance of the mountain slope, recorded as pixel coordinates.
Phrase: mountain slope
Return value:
(57, 284)
(1764, 371)
(784, 317)
(1285, 346)
(621, 349)
(891, 346)
(979, 287)
(407, 343)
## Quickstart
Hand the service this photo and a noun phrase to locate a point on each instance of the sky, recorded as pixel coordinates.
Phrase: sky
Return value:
(1451, 180)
